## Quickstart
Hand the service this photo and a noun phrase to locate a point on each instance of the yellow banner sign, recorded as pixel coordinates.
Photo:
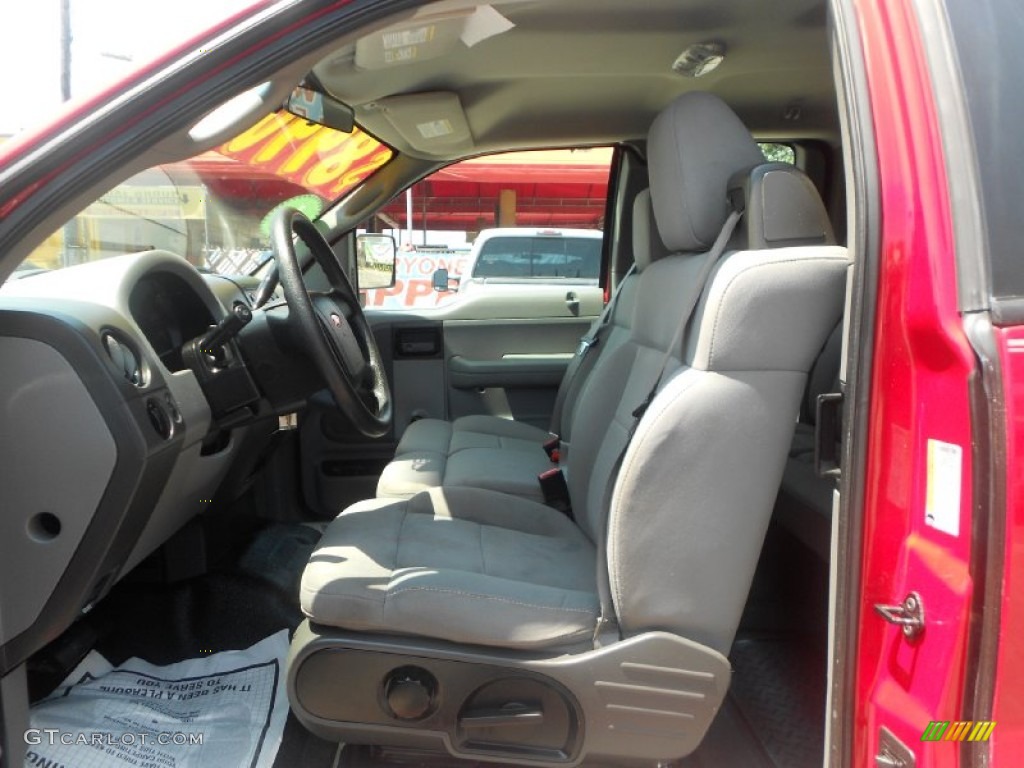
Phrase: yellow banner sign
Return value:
(318, 158)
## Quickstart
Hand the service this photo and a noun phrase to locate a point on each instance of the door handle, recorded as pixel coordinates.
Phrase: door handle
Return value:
(572, 301)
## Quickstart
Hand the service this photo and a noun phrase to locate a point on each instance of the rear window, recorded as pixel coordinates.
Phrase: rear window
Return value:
(540, 257)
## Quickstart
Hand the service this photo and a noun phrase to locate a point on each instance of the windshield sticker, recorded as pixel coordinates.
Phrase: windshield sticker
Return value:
(318, 158)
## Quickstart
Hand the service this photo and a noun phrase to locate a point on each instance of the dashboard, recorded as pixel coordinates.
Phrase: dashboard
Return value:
(110, 443)
(168, 312)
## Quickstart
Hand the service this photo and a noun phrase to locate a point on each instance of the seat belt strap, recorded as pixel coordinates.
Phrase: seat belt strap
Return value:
(607, 629)
(575, 374)
(712, 259)
(555, 490)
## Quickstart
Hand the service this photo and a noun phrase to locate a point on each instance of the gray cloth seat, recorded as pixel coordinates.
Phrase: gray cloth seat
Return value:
(459, 564)
(429, 456)
(682, 520)
(491, 452)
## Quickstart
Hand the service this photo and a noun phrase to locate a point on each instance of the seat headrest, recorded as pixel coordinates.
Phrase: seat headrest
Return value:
(695, 146)
(781, 207)
(647, 245)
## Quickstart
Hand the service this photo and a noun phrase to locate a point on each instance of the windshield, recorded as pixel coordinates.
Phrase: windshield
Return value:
(214, 209)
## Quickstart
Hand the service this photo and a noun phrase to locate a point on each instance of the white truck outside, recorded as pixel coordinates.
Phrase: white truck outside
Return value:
(504, 263)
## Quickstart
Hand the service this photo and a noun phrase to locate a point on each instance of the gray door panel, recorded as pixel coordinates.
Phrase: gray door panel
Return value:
(502, 354)
(512, 371)
(509, 368)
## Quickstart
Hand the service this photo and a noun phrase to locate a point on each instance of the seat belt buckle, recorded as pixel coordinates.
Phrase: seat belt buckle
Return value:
(555, 490)
(551, 448)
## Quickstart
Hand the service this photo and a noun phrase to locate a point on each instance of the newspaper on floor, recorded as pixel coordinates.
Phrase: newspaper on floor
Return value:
(223, 710)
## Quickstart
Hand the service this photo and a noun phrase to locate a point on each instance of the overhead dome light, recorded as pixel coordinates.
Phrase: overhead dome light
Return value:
(700, 59)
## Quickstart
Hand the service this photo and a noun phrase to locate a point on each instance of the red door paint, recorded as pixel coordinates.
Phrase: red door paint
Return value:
(919, 393)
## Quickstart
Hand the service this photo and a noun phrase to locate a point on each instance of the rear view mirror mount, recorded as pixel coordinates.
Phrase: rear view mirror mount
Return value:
(309, 102)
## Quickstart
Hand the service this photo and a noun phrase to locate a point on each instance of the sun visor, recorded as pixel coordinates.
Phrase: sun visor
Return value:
(431, 123)
(428, 36)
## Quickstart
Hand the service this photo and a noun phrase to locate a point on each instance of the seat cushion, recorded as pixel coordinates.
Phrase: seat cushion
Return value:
(507, 433)
(476, 451)
(444, 437)
(460, 564)
(507, 471)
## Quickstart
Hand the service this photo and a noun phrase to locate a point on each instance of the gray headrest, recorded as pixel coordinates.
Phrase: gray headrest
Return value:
(647, 245)
(695, 146)
(782, 207)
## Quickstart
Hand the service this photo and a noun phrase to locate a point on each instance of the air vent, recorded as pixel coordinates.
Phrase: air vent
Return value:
(124, 358)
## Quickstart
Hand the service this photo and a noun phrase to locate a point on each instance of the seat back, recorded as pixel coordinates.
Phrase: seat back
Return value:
(695, 146)
(694, 493)
(698, 482)
(647, 248)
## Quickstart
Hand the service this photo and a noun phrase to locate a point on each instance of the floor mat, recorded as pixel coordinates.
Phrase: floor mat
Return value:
(226, 709)
(729, 743)
(167, 623)
(279, 554)
(299, 747)
(778, 686)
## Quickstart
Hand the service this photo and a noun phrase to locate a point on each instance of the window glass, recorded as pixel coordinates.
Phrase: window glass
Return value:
(214, 209)
(532, 218)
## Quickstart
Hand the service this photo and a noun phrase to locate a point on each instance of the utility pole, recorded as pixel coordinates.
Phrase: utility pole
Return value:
(70, 238)
(65, 50)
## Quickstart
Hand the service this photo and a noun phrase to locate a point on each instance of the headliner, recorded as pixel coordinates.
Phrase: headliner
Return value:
(577, 72)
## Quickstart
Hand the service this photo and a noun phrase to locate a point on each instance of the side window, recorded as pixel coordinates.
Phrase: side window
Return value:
(778, 153)
(533, 218)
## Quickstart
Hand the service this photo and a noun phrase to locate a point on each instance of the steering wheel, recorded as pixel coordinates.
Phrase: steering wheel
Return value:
(331, 326)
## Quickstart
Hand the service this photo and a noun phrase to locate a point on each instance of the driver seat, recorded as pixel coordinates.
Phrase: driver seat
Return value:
(467, 620)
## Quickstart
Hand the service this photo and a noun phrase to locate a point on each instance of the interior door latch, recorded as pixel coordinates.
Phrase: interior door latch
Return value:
(909, 615)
